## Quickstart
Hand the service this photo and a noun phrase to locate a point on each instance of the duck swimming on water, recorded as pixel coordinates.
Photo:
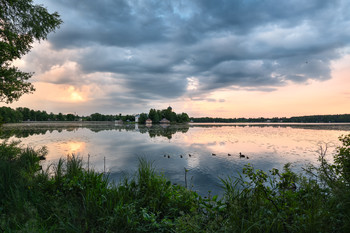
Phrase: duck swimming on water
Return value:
(241, 155)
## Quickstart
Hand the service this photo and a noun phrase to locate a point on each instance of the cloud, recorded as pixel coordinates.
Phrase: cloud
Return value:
(207, 99)
(159, 50)
(111, 23)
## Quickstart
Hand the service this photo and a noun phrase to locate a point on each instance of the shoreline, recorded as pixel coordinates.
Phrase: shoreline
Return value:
(60, 123)
(88, 123)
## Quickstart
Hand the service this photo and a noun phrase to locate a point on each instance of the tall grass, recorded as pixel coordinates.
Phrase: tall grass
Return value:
(73, 199)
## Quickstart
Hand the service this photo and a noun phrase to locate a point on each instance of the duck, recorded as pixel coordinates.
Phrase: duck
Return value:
(189, 155)
(247, 157)
(228, 154)
(241, 155)
(213, 154)
(168, 156)
(181, 156)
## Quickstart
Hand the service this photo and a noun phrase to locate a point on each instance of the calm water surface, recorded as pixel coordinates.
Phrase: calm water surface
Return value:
(268, 146)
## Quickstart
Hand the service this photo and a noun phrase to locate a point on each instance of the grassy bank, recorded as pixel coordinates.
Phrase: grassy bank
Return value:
(74, 199)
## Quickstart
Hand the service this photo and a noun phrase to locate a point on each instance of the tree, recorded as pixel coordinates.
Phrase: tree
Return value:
(25, 113)
(143, 117)
(52, 117)
(159, 113)
(173, 117)
(185, 117)
(167, 113)
(32, 115)
(182, 118)
(96, 117)
(9, 115)
(153, 115)
(60, 117)
(70, 117)
(21, 23)
(342, 159)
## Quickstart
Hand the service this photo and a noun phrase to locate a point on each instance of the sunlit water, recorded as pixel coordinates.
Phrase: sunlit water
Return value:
(267, 146)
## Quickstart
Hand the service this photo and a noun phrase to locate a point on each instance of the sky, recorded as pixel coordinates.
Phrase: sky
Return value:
(222, 58)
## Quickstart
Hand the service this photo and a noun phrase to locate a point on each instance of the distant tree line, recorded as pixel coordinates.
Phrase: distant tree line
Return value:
(157, 115)
(340, 118)
(9, 115)
(153, 131)
(321, 118)
(101, 117)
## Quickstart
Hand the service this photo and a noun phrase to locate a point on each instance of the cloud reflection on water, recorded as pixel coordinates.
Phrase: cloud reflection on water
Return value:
(267, 147)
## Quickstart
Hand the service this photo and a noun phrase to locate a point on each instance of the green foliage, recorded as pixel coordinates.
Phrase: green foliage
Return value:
(182, 118)
(334, 174)
(342, 159)
(71, 117)
(73, 199)
(69, 198)
(8, 115)
(335, 177)
(61, 117)
(154, 115)
(21, 22)
(302, 119)
(157, 115)
(143, 117)
(18, 170)
(102, 117)
(14, 83)
(278, 202)
(97, 117)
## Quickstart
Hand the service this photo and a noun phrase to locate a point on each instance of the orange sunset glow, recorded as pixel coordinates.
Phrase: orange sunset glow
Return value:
(315, 97)
(174, 116)
(261, 68)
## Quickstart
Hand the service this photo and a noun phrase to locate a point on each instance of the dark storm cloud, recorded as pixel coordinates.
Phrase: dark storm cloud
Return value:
(115, 104)
(116, 23)
(153, 47)
(170, 87)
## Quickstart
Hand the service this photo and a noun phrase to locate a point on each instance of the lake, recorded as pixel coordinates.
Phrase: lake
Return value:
(117, 148)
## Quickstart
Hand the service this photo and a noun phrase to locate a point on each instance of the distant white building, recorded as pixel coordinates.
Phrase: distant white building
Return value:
(137, 117)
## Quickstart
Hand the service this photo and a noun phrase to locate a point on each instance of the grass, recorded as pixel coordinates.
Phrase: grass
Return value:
(74, 199)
